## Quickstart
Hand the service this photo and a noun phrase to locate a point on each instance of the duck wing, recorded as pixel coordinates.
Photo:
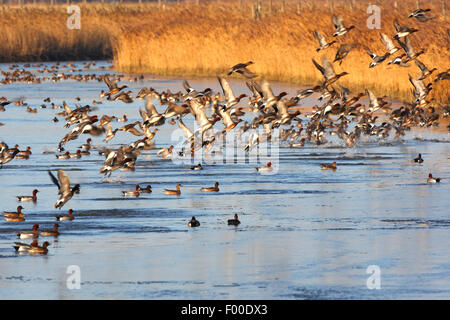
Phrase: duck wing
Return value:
(64, 182)
(320, 38)
(227, 91)
(150, 107)
(54, 180)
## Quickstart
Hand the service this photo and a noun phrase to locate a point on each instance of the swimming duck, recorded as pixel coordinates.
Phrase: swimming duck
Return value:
(329, 166)
(267, 168)
(28, 235)
(193, 223)
(124, 119)
(173, 192)
(13, 215)
(65, 155)
(26, 152)
(234, 222)
(211, 189)
(63, 188)
(69, 217)
(165, 153)
(419, 159)
(24, 247)
(86, 146)
(50, 233)
(29, 198)
(197, 167)
(131, 193)
(433, 180)
(76, 154)
(38, 249)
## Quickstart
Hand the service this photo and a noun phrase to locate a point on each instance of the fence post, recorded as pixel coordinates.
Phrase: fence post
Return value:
(270, 7)
(282, 6)
(298, 7)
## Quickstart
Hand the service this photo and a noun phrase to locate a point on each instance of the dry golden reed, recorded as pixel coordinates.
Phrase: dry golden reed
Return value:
(185, 39)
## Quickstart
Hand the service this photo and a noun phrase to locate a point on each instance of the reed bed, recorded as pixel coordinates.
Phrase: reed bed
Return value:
(186, 39)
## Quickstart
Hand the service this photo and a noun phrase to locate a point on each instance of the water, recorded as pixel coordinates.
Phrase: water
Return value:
(305, 233)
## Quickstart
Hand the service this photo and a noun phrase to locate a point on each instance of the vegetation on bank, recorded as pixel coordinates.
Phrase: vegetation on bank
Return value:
(186, 39)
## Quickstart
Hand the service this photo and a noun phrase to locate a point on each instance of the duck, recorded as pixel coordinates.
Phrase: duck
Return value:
(419, 159)
(39, 250)
(29, 198)
(165, 153)
(267, 168)
(63, 188)
(376, 59)
(124, 119)
(328, 72)
(340, 29)
(241, 68)
(197, 167)
(65, 155)
(173, 192)
(420, 15)
(425, 71)
(50, 233)
(69, 217)
(26, 152)
(76, 155)
(343, 51)
(131, 193)
(86, 146)
(193, 223)
(28, 235)
(402, 31)
(329, 166)
(24, 247)
(211, 189)
(433, 180)
(109, 132)
(323, 44)
(147, 189)
(23, 156)
(231, 99)
(12, 215)
(388, 44)
(84, 153)
(6, 157)
(112, 86)
(234, 222)
(30, 110)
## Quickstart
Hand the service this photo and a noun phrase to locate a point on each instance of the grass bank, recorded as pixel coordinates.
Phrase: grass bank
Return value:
(185, 39)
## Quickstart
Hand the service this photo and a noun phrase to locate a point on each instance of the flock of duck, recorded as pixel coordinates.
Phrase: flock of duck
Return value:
(334, 118)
